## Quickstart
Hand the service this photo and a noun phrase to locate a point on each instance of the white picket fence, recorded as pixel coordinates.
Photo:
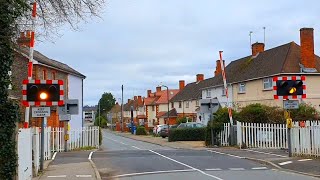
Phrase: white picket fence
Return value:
(225, 135)
(306, 140)
(262, 135)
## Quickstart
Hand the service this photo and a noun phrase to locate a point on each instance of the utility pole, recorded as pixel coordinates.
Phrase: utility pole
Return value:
(121, 108)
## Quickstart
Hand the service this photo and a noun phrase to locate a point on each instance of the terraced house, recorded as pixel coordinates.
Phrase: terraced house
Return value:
(250, 78)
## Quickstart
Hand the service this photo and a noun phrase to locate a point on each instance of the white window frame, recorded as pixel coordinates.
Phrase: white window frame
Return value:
(208, 93)
(267, 81)
(187, 104)
(197, 102)
(242, 87)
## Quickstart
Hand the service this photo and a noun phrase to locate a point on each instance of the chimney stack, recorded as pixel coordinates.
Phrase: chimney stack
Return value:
(139, 100)
(257, 48)
(158, 88)
(218, 67)
(148, 93)
(307, 48)
(135, 98)
(200, 77)
(181, 84)
(23, 40)
(129, 100)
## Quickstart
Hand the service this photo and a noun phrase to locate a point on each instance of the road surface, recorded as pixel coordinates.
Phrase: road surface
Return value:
(124, 158)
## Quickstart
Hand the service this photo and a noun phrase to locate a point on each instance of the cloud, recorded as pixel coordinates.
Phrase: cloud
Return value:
(142, 43)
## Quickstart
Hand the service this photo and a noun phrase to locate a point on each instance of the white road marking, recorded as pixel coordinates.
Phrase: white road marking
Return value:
(54, 155)
(265, 153)
(153, 172)
(226, 154)
(259, 168)
(90, 155)
(116, 141)
(285, 163)
(302, 160)
(136, 147)
(83, 176)
(202, 172)
(60, 176)
(214, 169)
(236, 169)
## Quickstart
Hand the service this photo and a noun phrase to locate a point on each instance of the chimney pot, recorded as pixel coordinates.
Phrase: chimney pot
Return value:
(307, 48)
(257, 48)
(129, 100)
(200, 77)
(158, 88)
(135, 97)
(181, 84)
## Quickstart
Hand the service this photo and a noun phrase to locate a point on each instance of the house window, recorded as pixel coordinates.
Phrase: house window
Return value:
(152, 108)
(242, 88)
(197, 103)
(53, 75)
(187, 104)
(172, 104)
(180, 104)
(44, 74)
(267, 83)
(208, 92)
(223, 91)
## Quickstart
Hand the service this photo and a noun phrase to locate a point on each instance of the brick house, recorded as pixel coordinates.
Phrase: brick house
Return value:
(46, 68)
(250, 78)
(156, 105)
(139, 116)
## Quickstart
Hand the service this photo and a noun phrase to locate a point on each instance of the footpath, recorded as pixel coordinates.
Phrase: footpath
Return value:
(277, 158)
(70, 165)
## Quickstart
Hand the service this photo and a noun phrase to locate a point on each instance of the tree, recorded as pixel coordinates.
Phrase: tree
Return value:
(106, 102)
(182, 120)
(15, 17)
(100, 121)
(304, 112)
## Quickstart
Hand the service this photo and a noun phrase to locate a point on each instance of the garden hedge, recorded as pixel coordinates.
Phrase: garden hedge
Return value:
(187, 134)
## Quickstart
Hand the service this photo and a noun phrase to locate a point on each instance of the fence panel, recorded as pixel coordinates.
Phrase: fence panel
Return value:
(24, 154)
(306, 140)
(224, 135)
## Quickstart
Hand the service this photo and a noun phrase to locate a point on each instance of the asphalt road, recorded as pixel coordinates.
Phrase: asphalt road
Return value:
(124, 158)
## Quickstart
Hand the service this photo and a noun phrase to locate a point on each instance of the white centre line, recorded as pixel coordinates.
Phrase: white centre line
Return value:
(83, 176)
(202, 172)
(231, 155)
(153, 172)
(259, 168)
(236, 169)
(60, 176)
(302, 160)
(90, 155)
(116, 141)
(265, 153)
(214, 169)
(285, 163)
(54, 155)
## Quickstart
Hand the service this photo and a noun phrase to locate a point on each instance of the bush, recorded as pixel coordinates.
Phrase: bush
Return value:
(305, 112)
(100, 121)
(254, 113)
(216, 125)
(187, 134)
(182, 120)
(141, 130)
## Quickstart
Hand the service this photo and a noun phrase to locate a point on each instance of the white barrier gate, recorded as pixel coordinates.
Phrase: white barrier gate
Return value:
(24, 154)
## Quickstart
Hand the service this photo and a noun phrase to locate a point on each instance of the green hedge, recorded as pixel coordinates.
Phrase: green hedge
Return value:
(141, 130)
(187, 134)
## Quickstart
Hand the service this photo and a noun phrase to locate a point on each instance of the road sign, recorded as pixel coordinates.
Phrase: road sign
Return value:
(71, 107)
(289, 87)
(40, 111)
(289, 123)
(64, 117)
(286, 114)
(290, 104)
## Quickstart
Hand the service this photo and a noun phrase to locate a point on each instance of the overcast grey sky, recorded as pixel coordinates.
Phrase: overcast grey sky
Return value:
(141, 43)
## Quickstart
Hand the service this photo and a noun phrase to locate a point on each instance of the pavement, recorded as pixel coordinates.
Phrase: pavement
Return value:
(70, 165)
(126, 158)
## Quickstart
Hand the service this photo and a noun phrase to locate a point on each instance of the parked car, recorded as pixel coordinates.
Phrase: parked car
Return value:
(191, 125)
(157, 128)
(165, 131)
